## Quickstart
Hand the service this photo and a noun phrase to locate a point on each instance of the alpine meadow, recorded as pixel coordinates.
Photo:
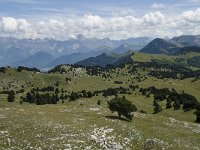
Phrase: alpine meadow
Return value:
(99, 75)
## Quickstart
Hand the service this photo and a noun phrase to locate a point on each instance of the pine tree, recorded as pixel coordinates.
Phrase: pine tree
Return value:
(57, 83)
(53, 99)
(11, 96)
(62, 97)
(29, 98)
(122, 106)
(98, 102)
(57, 91)
(176, 105)
(157, 107)
(169, 104)
(89, 94)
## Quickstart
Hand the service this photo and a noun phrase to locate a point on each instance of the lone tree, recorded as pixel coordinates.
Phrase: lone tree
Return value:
(122, 106)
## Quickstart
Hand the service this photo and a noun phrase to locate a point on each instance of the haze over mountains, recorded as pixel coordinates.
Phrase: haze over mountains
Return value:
(186, 40)
(18, 51)
(49, 53)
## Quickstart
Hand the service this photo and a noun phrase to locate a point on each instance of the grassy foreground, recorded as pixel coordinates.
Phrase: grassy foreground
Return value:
(83, 124)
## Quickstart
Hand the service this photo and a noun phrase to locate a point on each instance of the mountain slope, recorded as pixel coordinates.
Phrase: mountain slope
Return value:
(186, 50)
(186, 40)
(71, 59)
(120, 50)
(159, 46)
(13, 54)
(105, 59)
(136, 43)
(194, 61)
(124, 49)
(100, 60)
(40, 59)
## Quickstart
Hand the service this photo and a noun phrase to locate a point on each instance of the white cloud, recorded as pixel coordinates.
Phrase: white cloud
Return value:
(154, 24)
(154, 18)
(23, 25)
(9, 24)
(16, 27)
(158, 6)
(92, 21)
(191, 16)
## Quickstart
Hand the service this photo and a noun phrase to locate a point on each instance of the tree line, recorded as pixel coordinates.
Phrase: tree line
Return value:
(173, 99)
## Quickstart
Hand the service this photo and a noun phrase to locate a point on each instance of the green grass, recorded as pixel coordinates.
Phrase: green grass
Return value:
(166, 59)
(56, 126)
(142, 57)
(76, 124)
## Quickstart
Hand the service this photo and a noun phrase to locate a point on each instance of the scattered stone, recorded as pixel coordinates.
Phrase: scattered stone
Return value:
(94, 109)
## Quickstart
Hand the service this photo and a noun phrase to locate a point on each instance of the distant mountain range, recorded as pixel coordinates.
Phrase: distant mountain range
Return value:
(18, 51)
(118, 59)
(39, 60)
(186, 40)
(49, 53)
(162, 46)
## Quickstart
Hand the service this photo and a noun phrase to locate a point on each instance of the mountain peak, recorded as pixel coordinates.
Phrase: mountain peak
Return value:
(160, 40)
(159, 46)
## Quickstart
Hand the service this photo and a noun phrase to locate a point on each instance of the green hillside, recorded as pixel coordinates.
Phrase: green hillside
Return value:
(78, 122)
(189, 59)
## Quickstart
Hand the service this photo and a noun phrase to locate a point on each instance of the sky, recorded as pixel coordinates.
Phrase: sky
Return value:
(114, 19)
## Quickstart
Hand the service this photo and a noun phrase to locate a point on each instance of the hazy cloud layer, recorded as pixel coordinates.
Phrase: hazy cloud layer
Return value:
(156, 24)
